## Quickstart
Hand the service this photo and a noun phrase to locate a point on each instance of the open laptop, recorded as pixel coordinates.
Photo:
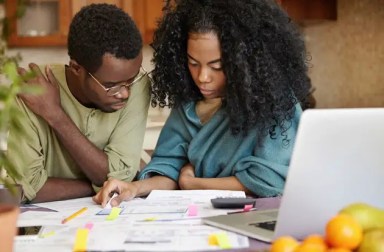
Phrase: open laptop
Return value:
(338, 159)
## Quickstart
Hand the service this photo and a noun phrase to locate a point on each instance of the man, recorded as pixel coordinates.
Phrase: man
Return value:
(88, 124)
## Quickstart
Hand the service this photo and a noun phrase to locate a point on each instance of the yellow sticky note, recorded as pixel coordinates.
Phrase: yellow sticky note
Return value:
(223, 241)
(46, 235)
(114, 213)
(212, 240)
(81, 239)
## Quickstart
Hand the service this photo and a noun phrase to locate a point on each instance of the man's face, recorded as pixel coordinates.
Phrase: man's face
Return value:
(113, 72)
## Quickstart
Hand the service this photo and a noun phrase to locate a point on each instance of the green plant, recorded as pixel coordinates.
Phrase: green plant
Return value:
(10, 86)
(10, 115)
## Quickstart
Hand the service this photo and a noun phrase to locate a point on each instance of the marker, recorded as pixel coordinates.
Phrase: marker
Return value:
(74, 215)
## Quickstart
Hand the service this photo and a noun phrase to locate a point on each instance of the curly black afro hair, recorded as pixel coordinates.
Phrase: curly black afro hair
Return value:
(98, 29)
(263, 57)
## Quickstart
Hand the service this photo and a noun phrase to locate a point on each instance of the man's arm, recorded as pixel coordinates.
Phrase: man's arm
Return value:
(91, 160)
(62, 189)
(128, 191)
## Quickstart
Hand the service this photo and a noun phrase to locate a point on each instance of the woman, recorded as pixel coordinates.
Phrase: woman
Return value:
(234, 72)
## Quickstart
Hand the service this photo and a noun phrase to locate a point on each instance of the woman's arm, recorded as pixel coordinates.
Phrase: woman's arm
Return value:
(188, 181)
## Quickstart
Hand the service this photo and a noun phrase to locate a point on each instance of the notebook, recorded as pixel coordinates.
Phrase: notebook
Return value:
(338, 158)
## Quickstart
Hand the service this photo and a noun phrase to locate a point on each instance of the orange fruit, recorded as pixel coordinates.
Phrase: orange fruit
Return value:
(310, 247)
(284, 244)
(315, 239)
(343, 231)
(339, 250)
(313, 243)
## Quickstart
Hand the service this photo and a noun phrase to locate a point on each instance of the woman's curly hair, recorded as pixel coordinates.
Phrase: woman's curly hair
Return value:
(263, 58)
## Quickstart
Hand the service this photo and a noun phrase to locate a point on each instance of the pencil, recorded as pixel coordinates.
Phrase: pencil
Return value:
(74, 215)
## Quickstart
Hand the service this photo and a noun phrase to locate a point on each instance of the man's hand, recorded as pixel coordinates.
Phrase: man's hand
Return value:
(126, 191)
(46, 104)
(186, 174)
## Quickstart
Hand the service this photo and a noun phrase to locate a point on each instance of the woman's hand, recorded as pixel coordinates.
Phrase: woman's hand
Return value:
(187, 173)
(126, 191)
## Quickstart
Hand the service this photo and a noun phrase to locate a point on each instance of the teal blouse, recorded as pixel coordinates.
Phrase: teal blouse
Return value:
(257, 160)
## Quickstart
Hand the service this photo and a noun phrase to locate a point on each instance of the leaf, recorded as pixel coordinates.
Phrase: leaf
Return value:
(10, 71)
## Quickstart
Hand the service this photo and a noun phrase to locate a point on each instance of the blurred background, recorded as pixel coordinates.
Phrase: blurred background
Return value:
(344, 38)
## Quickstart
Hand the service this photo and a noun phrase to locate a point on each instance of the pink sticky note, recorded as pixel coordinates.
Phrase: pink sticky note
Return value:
(89, 226)
(247, 208)
(192, 210)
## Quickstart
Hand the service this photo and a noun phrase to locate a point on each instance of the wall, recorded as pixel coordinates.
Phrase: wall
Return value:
(348, 56)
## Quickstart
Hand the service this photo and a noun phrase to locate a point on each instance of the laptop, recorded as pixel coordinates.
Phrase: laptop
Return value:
(338, 159)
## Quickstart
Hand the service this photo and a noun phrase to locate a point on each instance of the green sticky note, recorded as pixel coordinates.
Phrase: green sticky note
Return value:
(223, 241)
(114, 213)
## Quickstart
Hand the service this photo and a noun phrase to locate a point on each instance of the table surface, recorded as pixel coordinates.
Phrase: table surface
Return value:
(255, 245)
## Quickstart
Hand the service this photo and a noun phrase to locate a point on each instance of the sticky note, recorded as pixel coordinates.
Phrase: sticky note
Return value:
(107, 211)
(247, 208)
(89, 226)
(212, 240)
(223, 240)
(114, 213)
(81, 239)
(219, 239)
(46, 235)
(192, 210)
(150, 219)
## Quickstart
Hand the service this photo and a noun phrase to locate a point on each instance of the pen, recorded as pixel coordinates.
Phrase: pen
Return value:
(242, 211)
(74, 215)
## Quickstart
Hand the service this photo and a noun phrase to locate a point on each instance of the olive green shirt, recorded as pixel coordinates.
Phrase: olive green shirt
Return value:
(119, 134)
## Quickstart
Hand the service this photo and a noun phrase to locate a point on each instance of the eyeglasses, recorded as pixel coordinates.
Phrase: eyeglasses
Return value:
(112, 91)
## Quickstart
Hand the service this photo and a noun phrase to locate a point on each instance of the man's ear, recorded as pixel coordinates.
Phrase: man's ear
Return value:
(75, 67)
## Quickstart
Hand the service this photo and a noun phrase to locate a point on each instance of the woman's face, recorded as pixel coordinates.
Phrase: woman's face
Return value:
(204, 63)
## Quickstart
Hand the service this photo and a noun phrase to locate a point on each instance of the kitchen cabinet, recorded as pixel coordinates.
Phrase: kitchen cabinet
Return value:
(310, 10)
(45, 23)
(145, 13)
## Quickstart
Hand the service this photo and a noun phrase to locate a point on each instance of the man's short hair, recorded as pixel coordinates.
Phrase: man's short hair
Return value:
(98, 29)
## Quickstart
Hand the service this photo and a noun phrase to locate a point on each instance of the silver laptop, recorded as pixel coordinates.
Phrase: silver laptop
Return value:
(338, 158)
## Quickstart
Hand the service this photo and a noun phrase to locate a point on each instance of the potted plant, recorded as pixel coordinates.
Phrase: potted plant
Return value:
(10, 86)
(10, 192)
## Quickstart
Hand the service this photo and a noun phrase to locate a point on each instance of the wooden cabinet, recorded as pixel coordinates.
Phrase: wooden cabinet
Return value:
(145, 13)
(310, 10)
(45, 23)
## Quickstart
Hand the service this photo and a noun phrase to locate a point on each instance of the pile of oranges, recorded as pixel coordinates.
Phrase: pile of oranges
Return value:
(342, 234)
